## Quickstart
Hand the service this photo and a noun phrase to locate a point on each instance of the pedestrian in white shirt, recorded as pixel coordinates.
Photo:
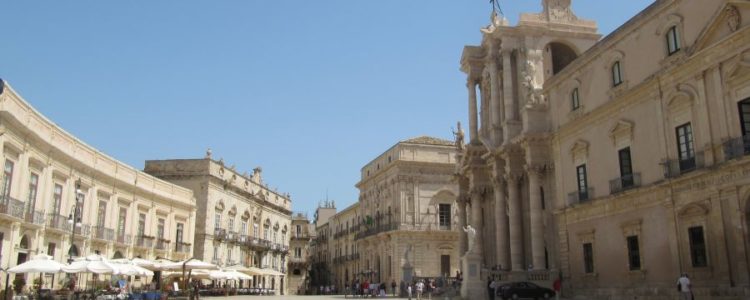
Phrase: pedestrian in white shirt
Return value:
(420, 289)
(686, 292)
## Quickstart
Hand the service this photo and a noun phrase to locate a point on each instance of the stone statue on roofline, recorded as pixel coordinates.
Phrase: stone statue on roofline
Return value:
(459, 135)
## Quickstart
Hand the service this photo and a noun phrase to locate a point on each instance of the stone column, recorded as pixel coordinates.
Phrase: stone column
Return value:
(476, 219)
(496, 105)
(507, 86)
(536, 219)
(501, 223)
(514, 223)
(471, 85)
(462, 246)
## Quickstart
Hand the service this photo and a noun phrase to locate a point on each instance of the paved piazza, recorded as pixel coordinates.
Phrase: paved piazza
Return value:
(316, 297)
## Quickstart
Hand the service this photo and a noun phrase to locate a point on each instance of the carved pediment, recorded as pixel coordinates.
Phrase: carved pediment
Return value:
(694, 210)
(579, 149)
(220, 205)
(738, 66)
(622, 130)
(726, 21)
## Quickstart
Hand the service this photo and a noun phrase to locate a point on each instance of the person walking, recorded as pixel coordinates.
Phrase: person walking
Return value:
(685, 288)
(557, 286)
(490, 288)
(393, 287)
(420, 289)
(408, 290)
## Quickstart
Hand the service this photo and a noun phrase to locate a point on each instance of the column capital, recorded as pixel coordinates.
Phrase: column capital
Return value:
(538, 170)
(514, 177)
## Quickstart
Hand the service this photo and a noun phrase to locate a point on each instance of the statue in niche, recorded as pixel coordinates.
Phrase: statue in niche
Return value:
(406, 254)
(459, 135)
(532, 87)
(471, 233)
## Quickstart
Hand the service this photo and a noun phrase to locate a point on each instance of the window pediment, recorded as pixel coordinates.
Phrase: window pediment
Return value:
(621, 132)
(726, 21)
(579, 150)
(694, 210)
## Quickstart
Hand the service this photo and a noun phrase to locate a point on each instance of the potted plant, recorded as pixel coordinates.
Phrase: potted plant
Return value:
(18, 284)
(38, 283)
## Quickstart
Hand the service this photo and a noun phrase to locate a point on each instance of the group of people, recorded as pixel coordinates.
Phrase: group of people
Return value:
(365, 288)
(419, 288)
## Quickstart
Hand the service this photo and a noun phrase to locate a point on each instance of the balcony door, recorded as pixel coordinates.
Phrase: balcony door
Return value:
(744, 108)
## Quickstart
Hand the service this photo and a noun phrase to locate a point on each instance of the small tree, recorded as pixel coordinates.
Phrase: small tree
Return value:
(18, 284)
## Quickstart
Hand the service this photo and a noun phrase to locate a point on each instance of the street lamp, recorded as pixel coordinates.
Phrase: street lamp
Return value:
(74, 215)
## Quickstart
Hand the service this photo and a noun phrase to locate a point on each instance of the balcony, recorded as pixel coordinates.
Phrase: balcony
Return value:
(57, 222)
(12, 207)
(676, 167)
(301, 236)
(123, 239)
(103, 233)
(242, 239)
(144, 241)
(578, 197)
(232, 236)
(624, 183)
(375, 229)
(220, 234)
(258, 244)
(162, 244)
(737, 147)
(181, 247)
(34, 217)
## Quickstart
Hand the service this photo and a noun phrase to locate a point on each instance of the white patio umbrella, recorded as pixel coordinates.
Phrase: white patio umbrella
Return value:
(90, 264)
(41, 263)
(130, 269)
(192, 264)
(143, 263)
(245, 270)
(238, 275)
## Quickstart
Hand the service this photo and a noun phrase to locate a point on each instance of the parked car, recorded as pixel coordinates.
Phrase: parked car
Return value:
(524, 290)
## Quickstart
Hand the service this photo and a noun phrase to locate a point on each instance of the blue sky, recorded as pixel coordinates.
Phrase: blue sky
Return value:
(309, 90)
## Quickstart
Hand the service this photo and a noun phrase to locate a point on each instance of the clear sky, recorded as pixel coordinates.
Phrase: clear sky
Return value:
(309, 90)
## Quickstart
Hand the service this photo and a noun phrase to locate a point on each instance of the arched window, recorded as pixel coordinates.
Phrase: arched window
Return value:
(673, 40)
(575, 100)
(616, 73)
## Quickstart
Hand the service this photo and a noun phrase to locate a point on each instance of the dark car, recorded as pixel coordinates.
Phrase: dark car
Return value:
(524, 290)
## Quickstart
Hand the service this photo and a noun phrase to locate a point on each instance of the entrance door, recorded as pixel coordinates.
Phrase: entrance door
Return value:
(445, 265)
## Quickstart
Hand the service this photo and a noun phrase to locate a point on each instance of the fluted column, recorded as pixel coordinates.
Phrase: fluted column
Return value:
(507, 85)
(471, 85)
(496, 105)
(536, 221)
(501, 224)
(514, 223)
(462, 247)
(476, 219)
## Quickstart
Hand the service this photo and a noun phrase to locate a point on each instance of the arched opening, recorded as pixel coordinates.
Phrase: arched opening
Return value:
(117, 255)
(562, 55)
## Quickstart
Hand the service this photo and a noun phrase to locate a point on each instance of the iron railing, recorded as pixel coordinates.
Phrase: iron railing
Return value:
(737, 147)
(12, 207)
(162, 244)
(58, 222)
(624, 183)
(34, 217)
(103, 233)
(676, 167)
(123, 239)
(220, 233)
(144, 241)
(580, 196)
(182, 247)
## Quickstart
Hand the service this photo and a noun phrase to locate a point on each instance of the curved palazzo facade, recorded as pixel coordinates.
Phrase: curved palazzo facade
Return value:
(614, 164)
(123, 211)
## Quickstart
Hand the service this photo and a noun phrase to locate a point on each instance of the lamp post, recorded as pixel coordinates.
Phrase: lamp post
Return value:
(74, 217)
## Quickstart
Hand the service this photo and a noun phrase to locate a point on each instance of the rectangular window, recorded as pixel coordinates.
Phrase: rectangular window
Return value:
(445, 265)
(444, 215)
(243, 228)
(178, 234)
(255, 230)
(121, 221)
(697, 247)
(7, 179)
(299, 230)
(265, 232)
(744, 107)
(80, 200)
(216, 253)
(31, 201)
(616, 74)
(685, 148)
(51, 249)
(57, 199)
(230, 224)
(583, 185)
(588, 258)
(102, 214)
(217, 221)
(673, 40)
(160, 229)
(626, 167)
(634, 253)
(575, 100)
(141, 224)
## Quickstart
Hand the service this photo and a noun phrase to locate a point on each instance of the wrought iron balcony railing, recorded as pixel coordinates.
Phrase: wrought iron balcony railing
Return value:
(676, 167)
(34, 217)
(624, 183)
(124, 239)
(181, 247)
(144, 241)
(737, 147)
(103, 233)
(12, 207)
(162, 244)
(580, 196)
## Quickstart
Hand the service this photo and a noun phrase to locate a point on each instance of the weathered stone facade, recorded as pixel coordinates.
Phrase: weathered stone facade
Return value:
(299, 255)
(51, 176)
(240, 220)
(616, 163)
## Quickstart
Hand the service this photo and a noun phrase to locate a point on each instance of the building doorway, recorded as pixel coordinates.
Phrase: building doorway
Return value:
(445, 265)
(23, 253)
